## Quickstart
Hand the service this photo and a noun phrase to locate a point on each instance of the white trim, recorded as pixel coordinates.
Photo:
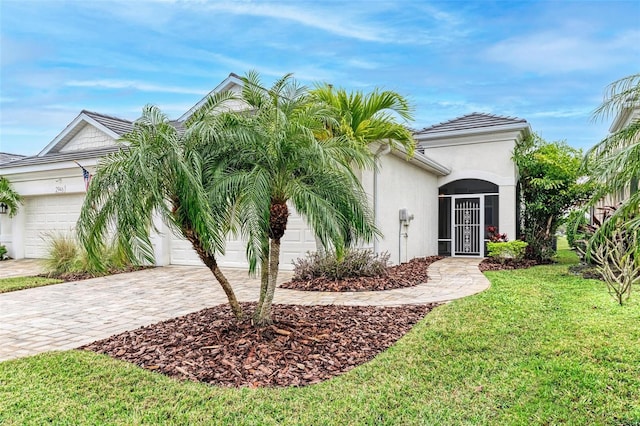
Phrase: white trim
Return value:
(477, 174)
(226, 84)
(474, 131)
(422, 161)
(624, 116)
(14, 172)
(73, 128)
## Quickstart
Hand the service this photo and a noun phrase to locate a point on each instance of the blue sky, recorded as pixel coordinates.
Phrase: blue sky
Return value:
(545, 61)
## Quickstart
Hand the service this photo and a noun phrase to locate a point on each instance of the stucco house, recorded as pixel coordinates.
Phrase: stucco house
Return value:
(460, 180)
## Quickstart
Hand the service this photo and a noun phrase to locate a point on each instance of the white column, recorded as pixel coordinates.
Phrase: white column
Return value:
(160, 241)
(507, 211)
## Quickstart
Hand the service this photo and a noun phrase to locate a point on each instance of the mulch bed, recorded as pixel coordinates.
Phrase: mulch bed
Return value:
(491, 264)
(305, 345)
(407, 274)
(78, 276)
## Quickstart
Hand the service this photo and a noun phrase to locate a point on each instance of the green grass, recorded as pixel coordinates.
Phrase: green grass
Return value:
(539, 347)
(20, 283)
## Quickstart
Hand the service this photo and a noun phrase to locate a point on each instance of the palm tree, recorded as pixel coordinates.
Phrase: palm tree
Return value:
(157, 171)
(286, 156)
(371, 117)
(376, 117)
(614, 162)
(9, 196)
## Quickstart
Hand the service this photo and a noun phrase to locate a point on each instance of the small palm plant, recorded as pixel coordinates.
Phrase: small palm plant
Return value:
(9, 196)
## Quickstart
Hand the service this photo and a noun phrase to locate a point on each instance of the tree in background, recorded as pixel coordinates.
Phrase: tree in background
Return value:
(9, 196)
(614, 163)
(549, 186)
(378, 116)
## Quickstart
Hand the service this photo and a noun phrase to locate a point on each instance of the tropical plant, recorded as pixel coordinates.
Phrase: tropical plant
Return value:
(575, 225)
(614, 163)
(286, 157)
(9, 196)
(549, 186)
(158, 170)
(371, 117)
(618, 261)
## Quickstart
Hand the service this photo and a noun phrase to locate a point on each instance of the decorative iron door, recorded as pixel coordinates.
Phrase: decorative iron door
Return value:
(467, 226)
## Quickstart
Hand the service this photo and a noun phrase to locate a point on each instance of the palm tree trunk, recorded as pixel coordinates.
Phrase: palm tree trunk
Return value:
(210, 261)
(264, 283)
(263, 316)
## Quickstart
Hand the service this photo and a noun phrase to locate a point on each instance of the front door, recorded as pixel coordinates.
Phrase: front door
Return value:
(467, 220)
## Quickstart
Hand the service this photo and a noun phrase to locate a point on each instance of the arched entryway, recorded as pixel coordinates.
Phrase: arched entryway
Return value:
(466, 210)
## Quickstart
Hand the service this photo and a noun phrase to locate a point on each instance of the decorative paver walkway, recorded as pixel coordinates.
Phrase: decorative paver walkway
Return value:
(68, 315)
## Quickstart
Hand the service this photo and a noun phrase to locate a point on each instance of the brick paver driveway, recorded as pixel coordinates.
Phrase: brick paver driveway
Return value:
(67, 315)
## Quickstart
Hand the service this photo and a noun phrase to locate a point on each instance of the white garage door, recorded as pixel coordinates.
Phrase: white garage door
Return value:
(47, 214)
(297, 241)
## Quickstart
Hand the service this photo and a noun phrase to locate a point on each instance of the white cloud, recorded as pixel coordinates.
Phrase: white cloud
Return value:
(304, 73)
(564, 51)
(331, 23)
(561, 113)
(136, 85)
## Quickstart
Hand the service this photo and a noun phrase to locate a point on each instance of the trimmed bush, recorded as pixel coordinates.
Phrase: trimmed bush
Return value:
(355, 263)
(3, 252)
(507, 250)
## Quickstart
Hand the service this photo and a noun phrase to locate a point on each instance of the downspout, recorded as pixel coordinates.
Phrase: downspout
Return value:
(383, 149)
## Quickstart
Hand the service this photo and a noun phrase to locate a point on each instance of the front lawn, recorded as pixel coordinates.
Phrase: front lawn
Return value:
(20, 283)
(539, 347)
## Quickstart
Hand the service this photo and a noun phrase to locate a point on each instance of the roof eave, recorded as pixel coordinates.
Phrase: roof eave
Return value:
(523, 126)
(68, 132)
(422, 161)
(227, 83)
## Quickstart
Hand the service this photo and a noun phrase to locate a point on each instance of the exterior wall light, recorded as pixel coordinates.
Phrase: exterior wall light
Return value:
(3, 208)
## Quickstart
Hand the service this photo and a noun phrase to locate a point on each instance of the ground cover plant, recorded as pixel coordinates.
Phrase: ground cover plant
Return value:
(310, 276)
(539, 347)
(21, 283)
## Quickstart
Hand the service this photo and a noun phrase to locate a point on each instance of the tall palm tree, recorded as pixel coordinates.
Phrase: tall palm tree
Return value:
(614, 162)
(9, 196)
(157, 171)
(282, 160)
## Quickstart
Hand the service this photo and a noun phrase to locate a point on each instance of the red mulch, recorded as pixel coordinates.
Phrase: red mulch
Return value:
(490, 264)
(407, 274)
(306, 344)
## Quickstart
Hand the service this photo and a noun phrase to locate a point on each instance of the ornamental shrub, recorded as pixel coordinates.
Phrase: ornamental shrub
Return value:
(66, 256)
(3, 252)
(507, 250)
(354, 263)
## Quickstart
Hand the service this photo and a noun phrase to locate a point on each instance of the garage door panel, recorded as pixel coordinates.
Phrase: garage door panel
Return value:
(48, 214)
(297, 240)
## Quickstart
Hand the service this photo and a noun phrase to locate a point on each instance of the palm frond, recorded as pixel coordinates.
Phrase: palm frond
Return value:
(9, 196)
